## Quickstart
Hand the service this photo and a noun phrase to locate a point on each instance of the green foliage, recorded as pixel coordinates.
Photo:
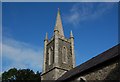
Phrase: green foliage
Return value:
(21, 74)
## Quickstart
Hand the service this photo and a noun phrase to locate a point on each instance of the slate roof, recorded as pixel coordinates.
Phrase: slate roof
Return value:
(99, 59)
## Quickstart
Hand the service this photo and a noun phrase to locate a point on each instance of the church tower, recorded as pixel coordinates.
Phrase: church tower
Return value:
(58, 53)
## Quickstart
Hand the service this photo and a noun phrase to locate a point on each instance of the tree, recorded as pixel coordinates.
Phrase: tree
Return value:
(21, 74)
(10, 74)
(0, 77)
(37, 75)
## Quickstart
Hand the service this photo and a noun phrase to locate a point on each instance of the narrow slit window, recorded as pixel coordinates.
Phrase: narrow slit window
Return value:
(64, 54)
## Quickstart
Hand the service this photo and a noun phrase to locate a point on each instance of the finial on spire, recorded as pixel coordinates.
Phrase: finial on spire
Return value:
(46, 37)
(58, 10)
(71, 34)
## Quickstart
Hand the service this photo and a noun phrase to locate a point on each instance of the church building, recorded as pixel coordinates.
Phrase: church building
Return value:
(58, 53)
(59, 60)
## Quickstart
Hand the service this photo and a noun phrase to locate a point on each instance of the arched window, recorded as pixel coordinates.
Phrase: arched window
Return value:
(82, 79)
(49, 56)
(64, 54)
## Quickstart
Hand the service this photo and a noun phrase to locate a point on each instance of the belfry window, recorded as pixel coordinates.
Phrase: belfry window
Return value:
(64, 54)
(49, 56)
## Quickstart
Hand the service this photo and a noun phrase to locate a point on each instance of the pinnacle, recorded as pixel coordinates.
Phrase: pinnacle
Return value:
(46, 37)
(71, 34)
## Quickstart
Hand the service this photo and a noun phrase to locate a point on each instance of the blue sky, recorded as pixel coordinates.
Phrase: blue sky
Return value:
(94, 26)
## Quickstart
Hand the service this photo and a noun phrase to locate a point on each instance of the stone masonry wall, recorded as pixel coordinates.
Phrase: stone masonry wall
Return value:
(101, 74)
(69, 64)
(49, 76)
(109, 72)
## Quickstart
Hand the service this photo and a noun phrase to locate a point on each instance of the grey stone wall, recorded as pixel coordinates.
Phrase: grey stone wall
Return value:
(53, 74)
(61, 72)
(49, 45)
(69, 64)
(103, 73)
(49, 75)
(109, 72)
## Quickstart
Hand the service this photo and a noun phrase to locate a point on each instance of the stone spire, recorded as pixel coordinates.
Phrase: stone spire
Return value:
(58, 25)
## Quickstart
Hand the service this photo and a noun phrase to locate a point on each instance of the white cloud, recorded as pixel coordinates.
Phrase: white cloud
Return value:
(86, 11)
(21, 55)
